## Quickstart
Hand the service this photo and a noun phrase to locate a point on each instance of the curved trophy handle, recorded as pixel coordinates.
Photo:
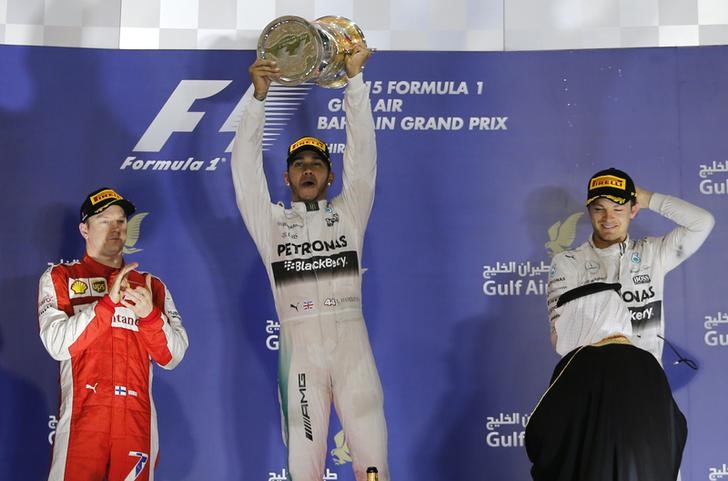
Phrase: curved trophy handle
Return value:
(345, 34)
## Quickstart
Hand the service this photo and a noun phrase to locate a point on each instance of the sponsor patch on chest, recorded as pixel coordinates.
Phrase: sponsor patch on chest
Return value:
(641, 279)
(86, 287)
(124, 318)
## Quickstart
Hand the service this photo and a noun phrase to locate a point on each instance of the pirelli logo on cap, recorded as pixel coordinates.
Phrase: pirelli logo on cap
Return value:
(104, 195)
(608, 181)
(311, 141)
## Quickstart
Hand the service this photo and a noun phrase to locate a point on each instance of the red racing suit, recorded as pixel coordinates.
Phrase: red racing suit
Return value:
(107, 424)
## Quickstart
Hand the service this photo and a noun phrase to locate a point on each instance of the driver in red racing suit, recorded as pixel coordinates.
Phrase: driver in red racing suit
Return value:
(106, 323)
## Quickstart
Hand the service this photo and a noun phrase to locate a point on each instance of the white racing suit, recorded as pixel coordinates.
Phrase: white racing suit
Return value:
(639, 265)
(312, 253)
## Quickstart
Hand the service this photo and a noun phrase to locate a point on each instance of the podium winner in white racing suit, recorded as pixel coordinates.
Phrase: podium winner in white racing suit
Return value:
(312, 253)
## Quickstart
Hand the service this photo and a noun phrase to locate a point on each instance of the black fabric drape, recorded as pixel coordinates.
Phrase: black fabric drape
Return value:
(609, 416)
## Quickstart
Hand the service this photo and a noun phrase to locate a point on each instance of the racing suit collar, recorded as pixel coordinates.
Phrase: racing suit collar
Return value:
(308, 206)
(614, 248)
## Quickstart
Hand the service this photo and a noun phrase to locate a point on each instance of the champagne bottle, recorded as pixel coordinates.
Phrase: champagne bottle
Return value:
(372, 474)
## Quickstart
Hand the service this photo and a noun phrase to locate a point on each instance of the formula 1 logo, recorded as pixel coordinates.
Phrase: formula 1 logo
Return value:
(176, 116)
(562, 234)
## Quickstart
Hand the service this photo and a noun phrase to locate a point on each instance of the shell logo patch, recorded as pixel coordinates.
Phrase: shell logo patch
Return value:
(79, 287)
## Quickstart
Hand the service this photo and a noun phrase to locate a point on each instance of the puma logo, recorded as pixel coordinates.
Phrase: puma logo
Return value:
(92, 388)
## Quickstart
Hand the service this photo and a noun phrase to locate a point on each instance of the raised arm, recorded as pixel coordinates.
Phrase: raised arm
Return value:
(251, 187)
(360, 156)
(694, 224)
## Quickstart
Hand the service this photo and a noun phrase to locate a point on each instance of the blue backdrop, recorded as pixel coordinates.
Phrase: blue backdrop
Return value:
(480, 154)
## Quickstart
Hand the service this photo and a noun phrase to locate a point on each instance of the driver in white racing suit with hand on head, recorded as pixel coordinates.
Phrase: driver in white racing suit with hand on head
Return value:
(639, 265)
(312, 253)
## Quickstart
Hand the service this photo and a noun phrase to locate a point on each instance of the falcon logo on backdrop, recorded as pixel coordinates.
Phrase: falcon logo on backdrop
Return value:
(133, 231)
(175, 116)
(562, 234)
(341, 452)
